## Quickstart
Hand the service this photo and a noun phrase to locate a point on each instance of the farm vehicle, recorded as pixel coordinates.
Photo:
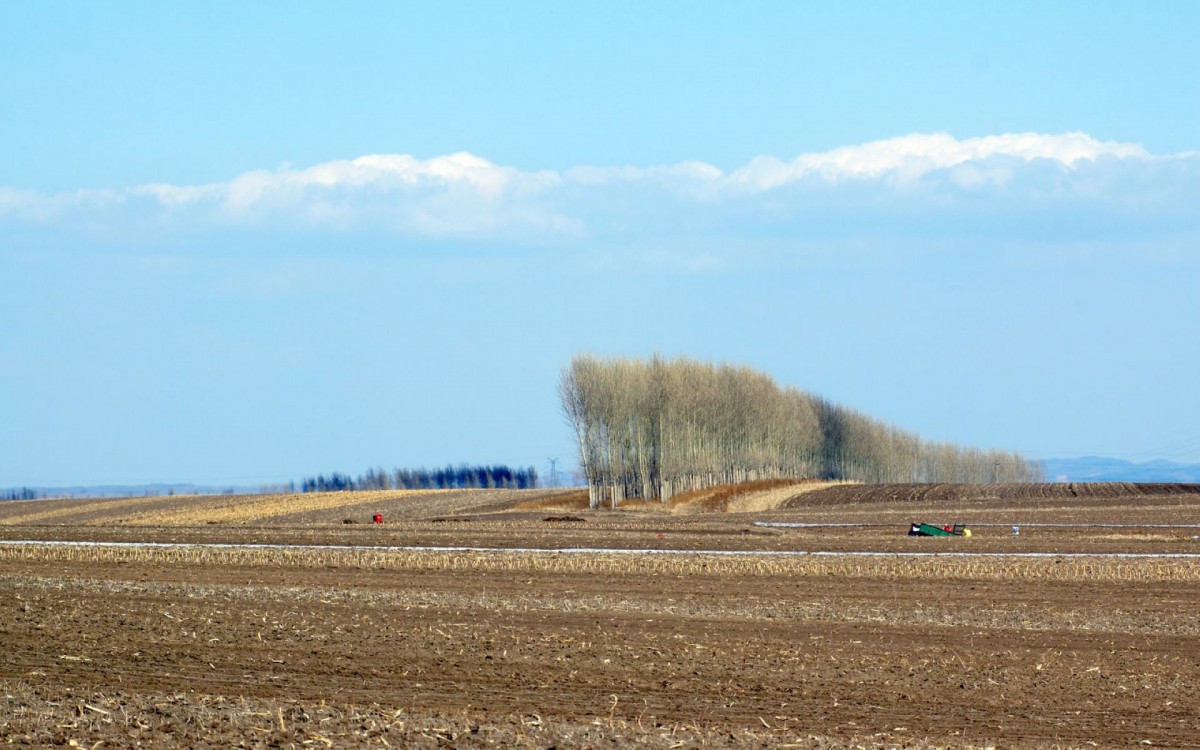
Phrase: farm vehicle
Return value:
(925, 529)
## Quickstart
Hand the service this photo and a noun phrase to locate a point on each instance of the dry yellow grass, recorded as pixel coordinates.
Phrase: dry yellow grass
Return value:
(66, 511)
(301, 508)
(254, 508)
(747, 497)
(772, 499)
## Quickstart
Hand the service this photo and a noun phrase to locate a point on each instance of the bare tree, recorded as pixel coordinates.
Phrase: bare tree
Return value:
(654, 428)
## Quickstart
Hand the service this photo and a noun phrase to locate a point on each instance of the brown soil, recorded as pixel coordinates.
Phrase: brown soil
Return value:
(142, 654)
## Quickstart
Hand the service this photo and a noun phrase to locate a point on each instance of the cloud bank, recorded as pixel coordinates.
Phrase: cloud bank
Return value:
(466, 196)
(911, 157)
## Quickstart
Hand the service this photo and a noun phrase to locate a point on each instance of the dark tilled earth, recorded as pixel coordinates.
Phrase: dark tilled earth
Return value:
(153, 654)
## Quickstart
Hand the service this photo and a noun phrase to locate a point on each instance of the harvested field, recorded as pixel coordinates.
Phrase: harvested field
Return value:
(343, 644)
(276, 510)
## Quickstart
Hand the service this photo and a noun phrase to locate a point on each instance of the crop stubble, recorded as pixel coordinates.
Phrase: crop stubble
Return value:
(268, 647)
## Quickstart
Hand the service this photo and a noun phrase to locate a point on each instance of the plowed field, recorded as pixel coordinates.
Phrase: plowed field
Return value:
(343, 644)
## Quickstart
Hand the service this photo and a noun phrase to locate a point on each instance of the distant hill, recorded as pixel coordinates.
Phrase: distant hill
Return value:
(1100, 469)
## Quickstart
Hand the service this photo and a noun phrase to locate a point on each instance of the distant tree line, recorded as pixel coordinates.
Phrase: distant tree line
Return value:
(654, 428)
(22, 494)
(448, 478)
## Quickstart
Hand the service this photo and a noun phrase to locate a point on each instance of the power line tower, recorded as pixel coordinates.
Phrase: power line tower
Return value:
(553, 471)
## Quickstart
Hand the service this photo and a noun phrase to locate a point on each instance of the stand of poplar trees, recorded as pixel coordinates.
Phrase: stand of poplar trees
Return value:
(655, 428)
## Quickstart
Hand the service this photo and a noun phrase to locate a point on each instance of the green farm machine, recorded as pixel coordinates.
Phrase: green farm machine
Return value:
(926, 529)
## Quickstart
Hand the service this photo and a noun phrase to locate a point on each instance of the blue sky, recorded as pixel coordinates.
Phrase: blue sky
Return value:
(247, 244)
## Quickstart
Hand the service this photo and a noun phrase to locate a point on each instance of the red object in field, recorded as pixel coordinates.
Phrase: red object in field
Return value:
(378, 518)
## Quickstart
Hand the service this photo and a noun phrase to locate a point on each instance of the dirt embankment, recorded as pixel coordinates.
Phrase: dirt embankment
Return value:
(1128, 494)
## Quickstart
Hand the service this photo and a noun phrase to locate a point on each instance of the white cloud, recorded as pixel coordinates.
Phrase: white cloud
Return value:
(30, 205)
(173, 195)
(911, 157)
(461, 171)
(463, 195)
(458, 194)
